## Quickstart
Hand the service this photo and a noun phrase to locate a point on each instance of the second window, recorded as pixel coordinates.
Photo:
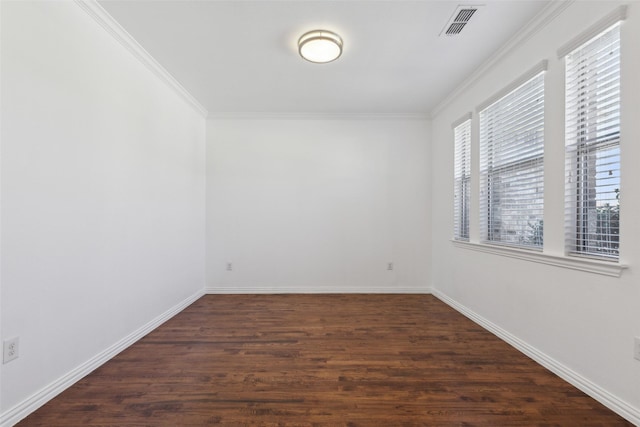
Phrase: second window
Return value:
(512, 168)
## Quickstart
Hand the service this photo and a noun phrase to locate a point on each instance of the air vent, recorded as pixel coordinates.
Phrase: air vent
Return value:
(459, 20)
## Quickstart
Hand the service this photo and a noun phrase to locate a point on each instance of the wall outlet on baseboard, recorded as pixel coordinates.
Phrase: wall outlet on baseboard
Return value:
(10, 349)
(229, 266)
(389, 266)
(636, 348)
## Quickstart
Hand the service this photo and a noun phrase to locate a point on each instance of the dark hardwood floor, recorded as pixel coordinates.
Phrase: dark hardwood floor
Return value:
(334, 360)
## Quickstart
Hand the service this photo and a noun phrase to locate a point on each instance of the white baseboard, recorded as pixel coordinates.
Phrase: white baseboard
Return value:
(29, 405)
(332, 289)
(609, 400)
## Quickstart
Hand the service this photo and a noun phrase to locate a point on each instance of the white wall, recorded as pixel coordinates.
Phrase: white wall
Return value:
(102, 193)
(317, 205)
(584, 321)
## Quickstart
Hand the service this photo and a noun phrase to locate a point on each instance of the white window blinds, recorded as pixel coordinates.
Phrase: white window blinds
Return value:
(462, 180)
(511, 166)
(592, 205)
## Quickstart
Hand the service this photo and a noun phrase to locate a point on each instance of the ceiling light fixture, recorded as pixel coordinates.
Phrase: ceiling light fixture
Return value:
(320, 46)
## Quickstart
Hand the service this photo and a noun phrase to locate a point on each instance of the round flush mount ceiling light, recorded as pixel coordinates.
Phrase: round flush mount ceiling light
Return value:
(320, 46)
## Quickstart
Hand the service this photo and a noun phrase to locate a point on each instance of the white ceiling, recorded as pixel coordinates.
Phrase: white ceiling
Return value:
(241, 56)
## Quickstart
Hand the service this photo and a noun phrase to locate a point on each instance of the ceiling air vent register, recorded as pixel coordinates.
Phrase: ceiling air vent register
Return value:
(459, 20)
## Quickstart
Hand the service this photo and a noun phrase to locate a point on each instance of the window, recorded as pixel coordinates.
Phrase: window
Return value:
(511, 164)
(462, 170)
(593, 146)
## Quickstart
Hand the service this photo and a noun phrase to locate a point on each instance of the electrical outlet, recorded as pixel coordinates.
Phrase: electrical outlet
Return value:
(390, 266)
(229, 266)
(636, 348)
(10, 349)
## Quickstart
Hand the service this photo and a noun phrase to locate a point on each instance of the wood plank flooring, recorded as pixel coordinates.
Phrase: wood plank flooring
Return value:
(321, 360)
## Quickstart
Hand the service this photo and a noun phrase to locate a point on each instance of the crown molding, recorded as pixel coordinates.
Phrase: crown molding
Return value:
(316, 116)
(102, 17)
(539, 22)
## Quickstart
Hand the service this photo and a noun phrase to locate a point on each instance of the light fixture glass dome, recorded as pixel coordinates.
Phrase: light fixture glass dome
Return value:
(320, 46)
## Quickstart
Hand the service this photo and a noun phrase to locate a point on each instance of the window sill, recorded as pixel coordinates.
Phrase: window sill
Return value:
(574, 263)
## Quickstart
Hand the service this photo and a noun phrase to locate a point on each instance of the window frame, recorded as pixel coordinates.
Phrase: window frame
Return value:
(490, 173)
(587, 210)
